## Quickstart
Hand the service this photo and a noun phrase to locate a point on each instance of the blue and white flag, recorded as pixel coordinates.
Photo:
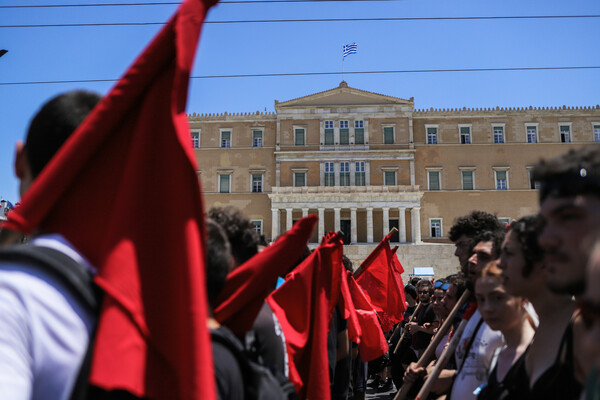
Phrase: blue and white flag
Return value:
(349, 49)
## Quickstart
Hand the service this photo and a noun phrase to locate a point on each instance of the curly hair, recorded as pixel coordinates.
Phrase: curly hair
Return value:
(460, 281)
(240, 231)
(570, 174)
(474, 223)
(495, 236)
(527, 230)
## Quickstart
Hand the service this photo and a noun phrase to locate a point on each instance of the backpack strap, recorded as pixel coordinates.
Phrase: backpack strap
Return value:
(79, 281)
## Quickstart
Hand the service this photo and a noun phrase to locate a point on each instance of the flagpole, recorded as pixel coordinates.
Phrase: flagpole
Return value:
(343, 63)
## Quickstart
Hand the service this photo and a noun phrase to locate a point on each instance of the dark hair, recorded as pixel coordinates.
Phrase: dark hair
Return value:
(425, 282)
(54, 123)
(575, 172)
(496, 237)
(460, 282)
(410, 289)
(473, 224)
(240, 231)
(527, 230)
(218, 260)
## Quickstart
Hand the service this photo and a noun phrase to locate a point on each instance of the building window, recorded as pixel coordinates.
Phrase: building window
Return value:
(389, 178)
(388, 135)
(225, 139)
(344, 174)
(299, 136)
(359, 174)
(329, 133)
(433, 180)
(257, 226)
(329, 174)
(257, 183)
(432, 135)
(467, 180)
(344, 132)
(465, 134)
(597, 133)
(359, 132)
(532, 183)
(565, 133)
(224, 183)
(501, 180)
(435, 227)
(504, 220)
(498, 134)
(195, 139)
(257, 138)
(299, 179)
(531, 133)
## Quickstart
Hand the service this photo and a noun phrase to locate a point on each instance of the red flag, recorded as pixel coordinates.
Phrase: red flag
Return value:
(363, 325)
(304, 307)
(248, 286)
(377, 277)
(99, 191)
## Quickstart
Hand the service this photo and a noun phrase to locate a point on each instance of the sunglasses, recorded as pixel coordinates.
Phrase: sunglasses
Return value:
(590, 313)
(423, 291)
(441, 285)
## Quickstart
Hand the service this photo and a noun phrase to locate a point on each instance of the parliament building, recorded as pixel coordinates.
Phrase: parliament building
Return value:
(366, 162)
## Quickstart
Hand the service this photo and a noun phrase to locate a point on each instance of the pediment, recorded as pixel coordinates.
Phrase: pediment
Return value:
(343, 95)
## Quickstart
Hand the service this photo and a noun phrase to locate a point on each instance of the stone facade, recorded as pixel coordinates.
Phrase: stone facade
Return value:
(366, 162)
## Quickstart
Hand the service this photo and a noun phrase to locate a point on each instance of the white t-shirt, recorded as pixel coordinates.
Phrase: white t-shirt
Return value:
(476, 365)
(44, 331)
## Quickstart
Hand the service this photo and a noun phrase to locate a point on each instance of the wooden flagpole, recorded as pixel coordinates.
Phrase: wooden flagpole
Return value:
(411, 319)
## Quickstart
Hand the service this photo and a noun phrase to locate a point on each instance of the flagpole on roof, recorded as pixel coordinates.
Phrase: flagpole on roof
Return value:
(343, 57)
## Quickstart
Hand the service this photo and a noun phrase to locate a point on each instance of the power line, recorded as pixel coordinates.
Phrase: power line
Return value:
(326, 73)
(176, 3)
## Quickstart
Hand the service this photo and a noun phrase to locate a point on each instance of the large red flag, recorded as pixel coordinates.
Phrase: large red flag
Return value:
(304, 307)
(363, 325)
(101, 192)
(248, 286)
(378, 279)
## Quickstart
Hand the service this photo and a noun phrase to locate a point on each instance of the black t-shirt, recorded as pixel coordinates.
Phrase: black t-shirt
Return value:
(268, 339)
(421, 339)
(228, 375)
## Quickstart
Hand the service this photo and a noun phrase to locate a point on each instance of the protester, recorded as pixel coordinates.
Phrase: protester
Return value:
(420, 332)
(45, 325)
(505, 313)
(555, 363)
(338, 346)
(590, 312)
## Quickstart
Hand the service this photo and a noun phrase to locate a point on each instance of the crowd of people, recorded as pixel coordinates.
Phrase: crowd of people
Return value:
(519, 320)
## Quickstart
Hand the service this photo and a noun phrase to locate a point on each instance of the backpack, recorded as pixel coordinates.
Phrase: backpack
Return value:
(260, 382)
(79, 281)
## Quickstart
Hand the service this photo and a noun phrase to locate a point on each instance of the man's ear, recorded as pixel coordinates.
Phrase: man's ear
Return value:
(21, 161)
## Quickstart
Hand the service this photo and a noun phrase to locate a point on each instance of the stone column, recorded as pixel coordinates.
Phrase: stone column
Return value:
(274, 224)
(336, 218)
(370, 225)
(386, 221)
(402, 224)
(304, 212)
(321, 224)
(354, 234)
(416, 224)
(288, 218)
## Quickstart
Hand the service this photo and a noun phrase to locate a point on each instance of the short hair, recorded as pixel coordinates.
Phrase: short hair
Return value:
(414, 280)
(473, 224)
(527, 230)
(411, 290)
(240, 231)
(492, 270)
(570, 174)
(53, 125)
(425, 282)
(218, 260)
(461, 283)
(495, 236)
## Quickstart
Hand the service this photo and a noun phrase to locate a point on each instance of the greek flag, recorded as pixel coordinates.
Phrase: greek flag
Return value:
(349, 49)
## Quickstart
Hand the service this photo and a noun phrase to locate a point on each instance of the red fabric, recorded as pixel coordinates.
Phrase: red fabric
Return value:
(103, 192)
(379, 279)
(248, 286)
(363, 325)
(471, 308)
(304, 306)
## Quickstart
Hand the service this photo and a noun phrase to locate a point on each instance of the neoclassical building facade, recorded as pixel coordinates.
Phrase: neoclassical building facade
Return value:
(367, 162)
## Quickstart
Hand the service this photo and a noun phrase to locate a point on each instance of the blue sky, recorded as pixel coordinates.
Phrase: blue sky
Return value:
(104, 52)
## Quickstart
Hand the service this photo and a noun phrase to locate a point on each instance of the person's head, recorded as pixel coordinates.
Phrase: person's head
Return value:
(521, 257)
(458, 285)
(240, 232)
(498, 308)
(425, 290)
(218, 260)
(466, 229)
(486, 248)
(415, 281)
(570, 208)
(410, 293)
(49, 129)
(590, 304)
(439, 290)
